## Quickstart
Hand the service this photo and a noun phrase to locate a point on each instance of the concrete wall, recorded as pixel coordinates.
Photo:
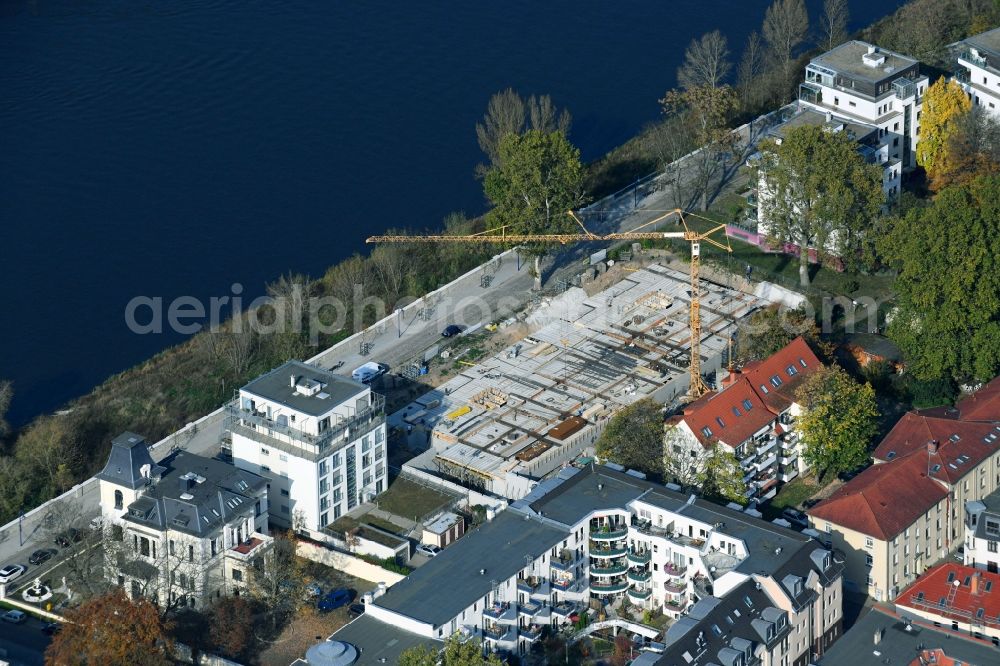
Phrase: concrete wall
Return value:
(349, 564)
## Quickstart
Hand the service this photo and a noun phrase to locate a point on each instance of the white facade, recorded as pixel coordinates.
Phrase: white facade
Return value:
(978, 73)
(982, 534)
(862, 82)
(318, 437)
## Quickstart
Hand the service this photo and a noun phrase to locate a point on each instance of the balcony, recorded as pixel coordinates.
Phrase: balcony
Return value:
(646, 527)
(258, 427)
(639, 556)
(609, 535)
(972, 58)
(500, 612)
(810, 93)
(607, 552)
(252, 547)
(530, 608)
(638, 575)
(564, 563)
(639, 596)
(533, 586)
(767, 462)
(565, 609)
(614, 587)
(675, 571)
(675, 588)
(675, 605)
(767, 448)
(612, 570)
(532, 633)
(501, 633)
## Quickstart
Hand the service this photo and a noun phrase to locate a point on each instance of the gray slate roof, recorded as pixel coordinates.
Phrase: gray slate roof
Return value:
(196, 495)
(899, 646)
(129, 454)
(451, 582)
(276, 386)
(377, 640)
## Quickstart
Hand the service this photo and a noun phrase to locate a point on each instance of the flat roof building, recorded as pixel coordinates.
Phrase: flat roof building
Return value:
(977, 60)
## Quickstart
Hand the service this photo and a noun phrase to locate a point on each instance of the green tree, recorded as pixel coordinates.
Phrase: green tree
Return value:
(838, 420)
(538, 179)
(819, 193)
(509, 113)
(768, 330)
(705, 112)
(634, 438)
(972, 150)
(721, 476)
(947, 319)
(944, 103)
(6, 395)
(455, 652)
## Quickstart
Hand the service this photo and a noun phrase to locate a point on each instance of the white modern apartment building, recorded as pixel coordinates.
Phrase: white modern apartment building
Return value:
(318, 437)
(861, 82)
(182, 532)
(602, 535)
(978, 68)
(982, 533)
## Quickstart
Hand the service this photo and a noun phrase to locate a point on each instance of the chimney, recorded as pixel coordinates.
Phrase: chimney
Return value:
(932, 447)
(878, 635)
(975, 583)
(829, 117)
(872, 49)
(292, 382)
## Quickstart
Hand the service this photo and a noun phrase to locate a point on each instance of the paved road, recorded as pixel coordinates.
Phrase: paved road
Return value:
(23, 644)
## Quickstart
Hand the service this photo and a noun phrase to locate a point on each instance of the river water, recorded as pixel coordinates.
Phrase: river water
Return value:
(171, 148)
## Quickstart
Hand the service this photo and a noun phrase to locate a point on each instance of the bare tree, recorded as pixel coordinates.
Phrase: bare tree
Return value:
(833, 23)
(391, 266)
(545, 117)
(277, 579)
(750, 69)
(504, 115)
(6, 395)
(238, 345)
(786, 24)
(671, 140)
(706, 62)
(341, 279)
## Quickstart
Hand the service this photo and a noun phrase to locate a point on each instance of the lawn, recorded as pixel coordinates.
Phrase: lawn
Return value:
(412, 500)
(792, 495)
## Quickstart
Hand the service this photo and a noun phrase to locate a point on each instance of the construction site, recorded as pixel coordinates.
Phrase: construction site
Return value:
(503, 424)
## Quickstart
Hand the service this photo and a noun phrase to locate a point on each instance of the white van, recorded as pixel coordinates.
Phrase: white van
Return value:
(369, 371)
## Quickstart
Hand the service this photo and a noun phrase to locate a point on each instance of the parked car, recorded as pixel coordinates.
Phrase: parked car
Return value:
(334, 599)
(67, 537)
(369, 372)
(40, 556)
(451, 330)
(10, 572)
(428, 550)
(796, 518)
(15, 616)
(51, 628)
(356, 610)
(960, 554)
(847, 476)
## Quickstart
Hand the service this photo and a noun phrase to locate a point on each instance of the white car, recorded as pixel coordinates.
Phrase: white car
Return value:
(428, 551)
(10, 572)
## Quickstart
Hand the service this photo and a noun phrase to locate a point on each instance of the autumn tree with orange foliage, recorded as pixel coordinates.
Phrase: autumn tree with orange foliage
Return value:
(232, 626)
(111, 630)
(973, 150)
(944, 103)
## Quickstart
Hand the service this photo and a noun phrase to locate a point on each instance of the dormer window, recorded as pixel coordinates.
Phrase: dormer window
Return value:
(791, 371)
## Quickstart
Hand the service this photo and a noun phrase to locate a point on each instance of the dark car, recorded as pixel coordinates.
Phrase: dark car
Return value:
(51, 628)
(451, 330)
(356, 610)
(847, 476)
(67, 537)
(334, 599)
(40, 556)
(796, 518)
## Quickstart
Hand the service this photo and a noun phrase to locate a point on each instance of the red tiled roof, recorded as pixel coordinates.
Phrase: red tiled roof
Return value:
(733, 430)
(247, 546)
(983, 405)
(744, 388)
(794, 354)
(883, 500)
(934, 585)
(960, 445)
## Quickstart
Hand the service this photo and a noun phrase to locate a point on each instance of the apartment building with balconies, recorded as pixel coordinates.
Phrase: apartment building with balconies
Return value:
(977, 60)
(899, 516)
(752, 416)
(181, 532)
(982, 533)
(600, 535)
(318, 437)
(862, 82)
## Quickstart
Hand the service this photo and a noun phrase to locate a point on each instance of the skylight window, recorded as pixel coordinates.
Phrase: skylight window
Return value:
(718, 419)
(980, 613)
(890, 455)
(791, 371)
(955, 437)
(764, 389)
(920, 596)
(706, 431)
(989, 585)
(737, 412)
(747, 405)
(941, 602)
(936, 468)
(951, 576)
(748, 602)
(802, 362)
(776, 381)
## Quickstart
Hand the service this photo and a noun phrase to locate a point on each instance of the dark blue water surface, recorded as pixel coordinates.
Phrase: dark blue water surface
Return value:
(174, 147)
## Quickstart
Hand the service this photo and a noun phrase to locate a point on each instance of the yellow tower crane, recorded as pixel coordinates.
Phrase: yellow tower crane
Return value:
(504, 235)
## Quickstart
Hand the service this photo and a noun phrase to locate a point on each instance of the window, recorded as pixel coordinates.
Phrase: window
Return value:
(284, 492)
(119, 500)
(215, 545)
(336, 512)
(851, 103)
(991, 546)
(718, 419)
(747, 405)
(335, 460)
(322, 468)
(282, 457)
(324, 486)
(323, 519)
(836, 101)
(184, 580)
(324, 503)
(706, 431)
(190, 553)
(764, 390)
(144, 547)
(170, 547)
(776, 381)
(284, 508)
(238, 575)
(791, 371)
(869, 542)
(264, 451)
